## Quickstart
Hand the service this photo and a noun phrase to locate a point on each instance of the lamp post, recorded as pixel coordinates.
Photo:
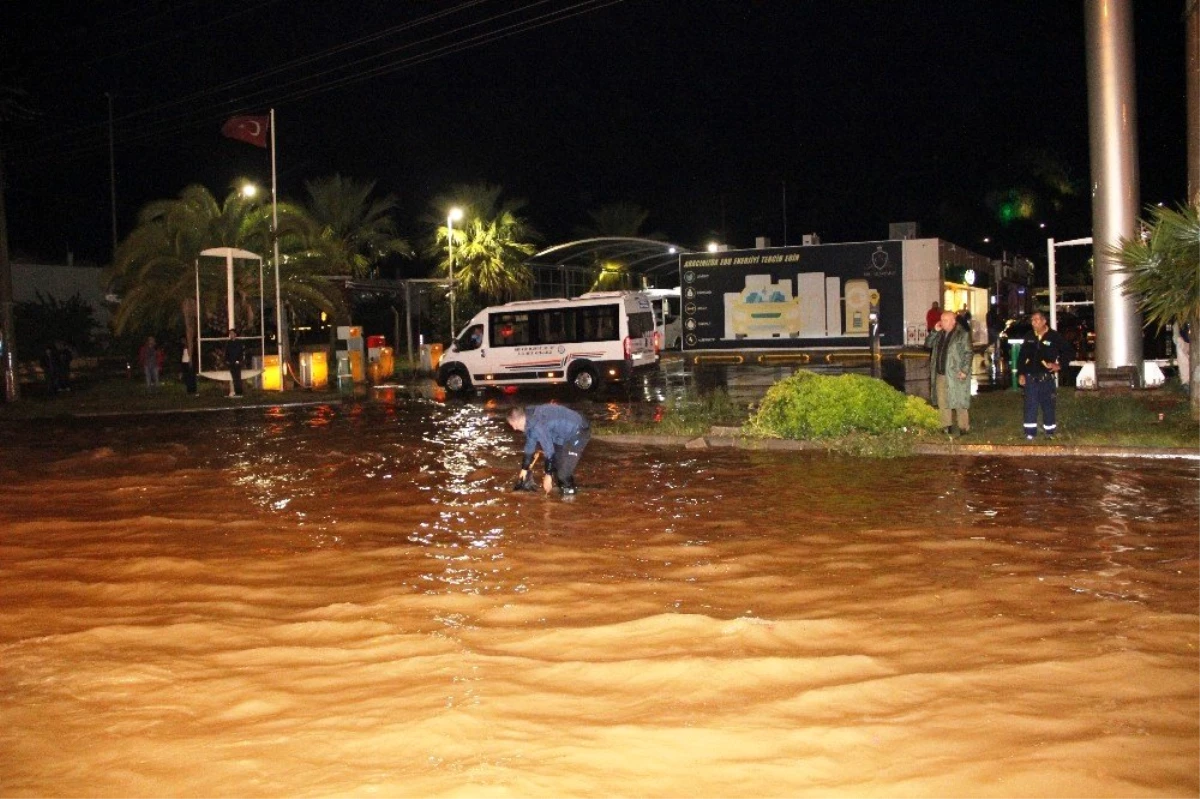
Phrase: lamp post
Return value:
(249, 191)
(455, 213)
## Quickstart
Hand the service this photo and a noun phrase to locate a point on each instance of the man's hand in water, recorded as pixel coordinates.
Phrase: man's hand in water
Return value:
(524, 481)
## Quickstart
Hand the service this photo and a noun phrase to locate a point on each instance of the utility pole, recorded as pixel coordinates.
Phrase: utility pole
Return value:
(12, 383)
(1191, 14)
(785, 213)
(112, 176)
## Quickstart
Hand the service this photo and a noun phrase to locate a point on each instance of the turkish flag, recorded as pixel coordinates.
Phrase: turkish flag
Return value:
(252, 130)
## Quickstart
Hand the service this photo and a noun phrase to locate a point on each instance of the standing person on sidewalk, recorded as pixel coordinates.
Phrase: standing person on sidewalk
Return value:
(1040, 360)
(150, 359)
(950, 372)
(932, 316)
(187, 368)
(235, 353)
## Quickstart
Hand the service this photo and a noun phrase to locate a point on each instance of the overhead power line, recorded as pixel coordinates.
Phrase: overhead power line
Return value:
(312, 75)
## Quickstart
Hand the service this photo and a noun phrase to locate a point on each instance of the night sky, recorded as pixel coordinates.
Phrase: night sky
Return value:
(705, 113)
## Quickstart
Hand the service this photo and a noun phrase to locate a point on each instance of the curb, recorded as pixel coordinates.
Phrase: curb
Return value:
(721, 440)
(205, 409)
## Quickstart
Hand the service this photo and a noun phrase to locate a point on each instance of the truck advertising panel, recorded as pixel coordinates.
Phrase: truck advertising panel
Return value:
(792, 297)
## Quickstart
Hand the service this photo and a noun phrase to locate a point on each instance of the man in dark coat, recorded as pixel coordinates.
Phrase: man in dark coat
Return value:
(950, 372)
(1040, 360)
(561, 433)
(235, 353)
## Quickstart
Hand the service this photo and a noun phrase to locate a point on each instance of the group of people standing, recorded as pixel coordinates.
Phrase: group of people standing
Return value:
(151, 359)
(1041, 358)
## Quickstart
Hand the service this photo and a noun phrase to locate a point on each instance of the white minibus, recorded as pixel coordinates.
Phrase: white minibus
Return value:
(600, 337)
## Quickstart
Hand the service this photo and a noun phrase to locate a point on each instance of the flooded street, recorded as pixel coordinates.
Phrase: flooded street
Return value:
(346, 600)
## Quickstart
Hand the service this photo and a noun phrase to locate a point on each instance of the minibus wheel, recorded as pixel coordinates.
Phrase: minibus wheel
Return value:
(584, 378)
(457, 381)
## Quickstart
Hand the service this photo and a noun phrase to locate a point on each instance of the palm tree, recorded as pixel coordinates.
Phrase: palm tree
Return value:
(355, 232)
(154, 273)
(1164, 275)
(489, 258)
(490, 246)
(622, 220)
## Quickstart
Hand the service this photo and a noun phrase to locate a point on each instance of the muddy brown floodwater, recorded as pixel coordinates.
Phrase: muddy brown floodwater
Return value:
(346, 601)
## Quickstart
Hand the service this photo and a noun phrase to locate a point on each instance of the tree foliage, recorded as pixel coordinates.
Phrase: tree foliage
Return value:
(621, 220)
(808, 405)
(154, 271)
(1164, 265)
(1163, 268)
(354, 232)
(47, 321)
(491, 243)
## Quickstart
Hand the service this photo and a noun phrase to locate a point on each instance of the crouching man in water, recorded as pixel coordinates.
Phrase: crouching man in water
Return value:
(562, 435)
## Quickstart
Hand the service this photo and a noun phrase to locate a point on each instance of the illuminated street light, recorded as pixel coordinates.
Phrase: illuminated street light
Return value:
(713, 246)
(455, 214)
(249, 191)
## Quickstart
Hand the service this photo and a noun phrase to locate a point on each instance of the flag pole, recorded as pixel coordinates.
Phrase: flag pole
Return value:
(275, 241)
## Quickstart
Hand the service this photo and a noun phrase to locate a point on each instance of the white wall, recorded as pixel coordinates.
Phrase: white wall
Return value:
(922, 285)
(61, 282)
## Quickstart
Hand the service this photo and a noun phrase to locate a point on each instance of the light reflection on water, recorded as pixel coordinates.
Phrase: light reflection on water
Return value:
(346, 600)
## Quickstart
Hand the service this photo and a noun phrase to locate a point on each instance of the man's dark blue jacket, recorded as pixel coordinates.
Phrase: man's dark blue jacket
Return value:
(550, 427)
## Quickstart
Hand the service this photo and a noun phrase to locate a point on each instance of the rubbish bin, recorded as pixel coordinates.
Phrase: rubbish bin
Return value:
(314, 370)
(387, 362)
(431, 356)
(272, 376)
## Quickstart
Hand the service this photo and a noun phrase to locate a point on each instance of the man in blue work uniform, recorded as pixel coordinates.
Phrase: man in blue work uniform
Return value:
(562, 435)
(1038, 364)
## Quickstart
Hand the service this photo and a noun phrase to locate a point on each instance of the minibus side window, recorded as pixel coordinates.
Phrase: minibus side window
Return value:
(598, 323)
(555, 326)
(510, 329)
(640, 324)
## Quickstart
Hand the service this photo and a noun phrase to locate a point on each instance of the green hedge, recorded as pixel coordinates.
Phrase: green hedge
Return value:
(812, 406)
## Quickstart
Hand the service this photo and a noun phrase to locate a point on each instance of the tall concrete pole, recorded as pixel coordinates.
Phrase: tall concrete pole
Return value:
(1191, 14)
(1112, 129)
(8, 328)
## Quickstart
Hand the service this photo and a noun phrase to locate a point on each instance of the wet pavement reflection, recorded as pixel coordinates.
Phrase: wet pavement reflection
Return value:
(345, 599)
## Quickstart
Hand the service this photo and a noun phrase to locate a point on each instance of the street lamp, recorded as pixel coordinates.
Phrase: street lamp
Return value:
(455, 214)
(249, 191)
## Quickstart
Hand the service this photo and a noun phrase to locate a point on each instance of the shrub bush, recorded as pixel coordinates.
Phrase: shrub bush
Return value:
(812, 406)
